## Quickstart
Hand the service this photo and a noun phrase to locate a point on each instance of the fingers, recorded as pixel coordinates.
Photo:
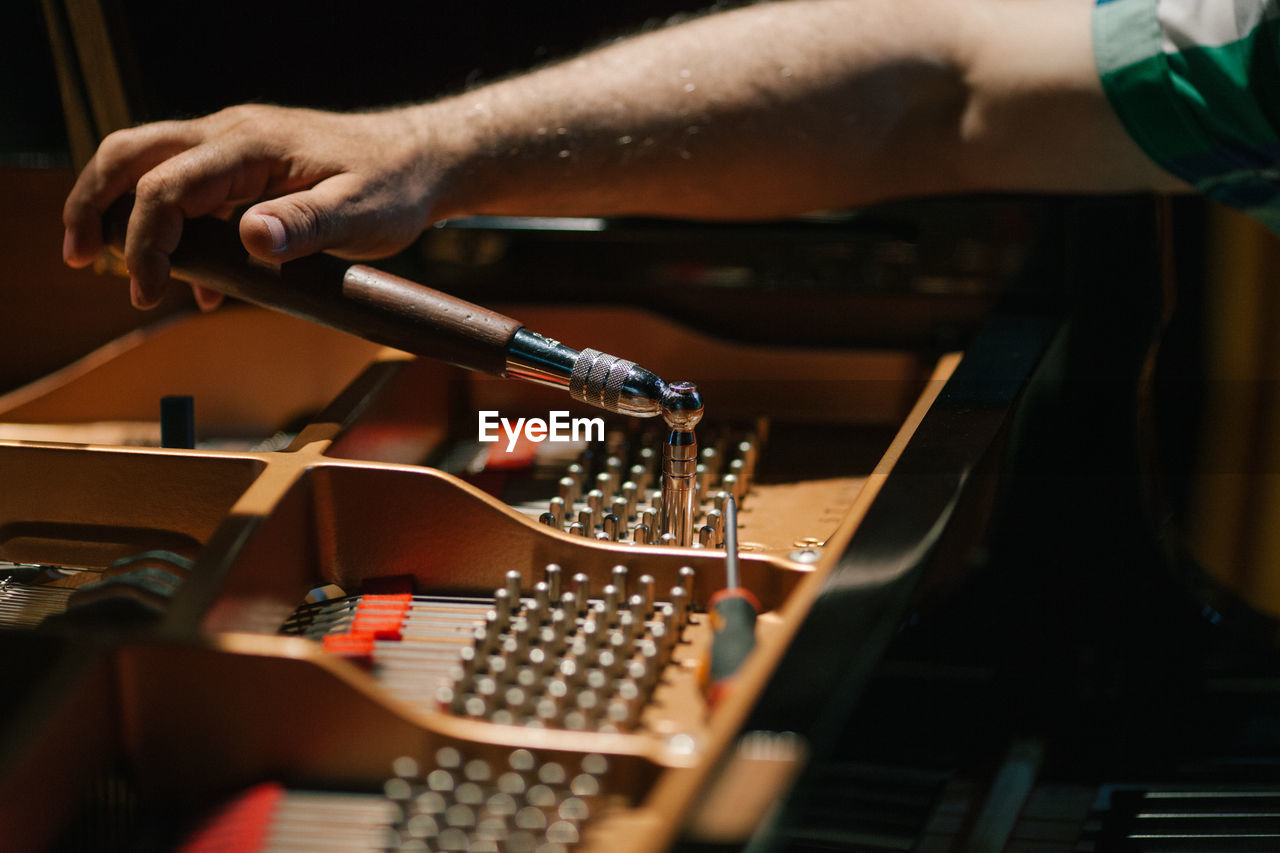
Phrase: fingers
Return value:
(195, 182)
(302, 223)
(177, 170)
(345, 184)
(123, 158)
(152, 235)
(205, 298)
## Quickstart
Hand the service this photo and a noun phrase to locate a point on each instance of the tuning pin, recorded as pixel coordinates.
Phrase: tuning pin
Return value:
(649, 459)
(567, 491)
(649, 518)
(618, 506)
(542, 597)
(513, 586)
(660, 638)
(595, 503)
(706, 477)
(486, 635)
(613, 466)
(711, 460)
(502, 605)
(553, 575)
(747, 453)
(576, 473)
(651, 660)
(630, 496)
(686, 575)
(640, 534)
(644, 588)
(679, 603)
(569, 606)
(588, 639)
(732, 485)
(588, 702)
(715, 520)
(610, 602)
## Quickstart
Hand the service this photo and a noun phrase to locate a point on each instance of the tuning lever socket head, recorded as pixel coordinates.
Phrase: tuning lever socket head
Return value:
(682, 406)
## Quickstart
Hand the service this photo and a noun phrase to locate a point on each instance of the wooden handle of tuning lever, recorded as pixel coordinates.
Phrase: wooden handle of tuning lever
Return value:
(354, 298)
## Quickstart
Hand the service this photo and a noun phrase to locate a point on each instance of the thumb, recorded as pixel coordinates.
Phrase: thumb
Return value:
(298, 224)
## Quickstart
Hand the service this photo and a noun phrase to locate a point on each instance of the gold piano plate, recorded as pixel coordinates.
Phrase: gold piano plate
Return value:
(212, 698)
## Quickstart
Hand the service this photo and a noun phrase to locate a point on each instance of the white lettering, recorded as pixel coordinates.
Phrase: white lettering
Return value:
(488, 423)
(589, 424)
(558, 427)
(559, 423)
(513, 433)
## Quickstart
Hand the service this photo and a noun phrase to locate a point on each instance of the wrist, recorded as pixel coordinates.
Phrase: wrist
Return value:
(450, 149)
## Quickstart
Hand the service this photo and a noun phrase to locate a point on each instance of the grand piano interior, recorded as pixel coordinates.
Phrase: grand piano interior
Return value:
(958, 428)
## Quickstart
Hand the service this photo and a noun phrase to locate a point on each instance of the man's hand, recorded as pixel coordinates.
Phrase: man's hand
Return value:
(769, 110)
(358, 185)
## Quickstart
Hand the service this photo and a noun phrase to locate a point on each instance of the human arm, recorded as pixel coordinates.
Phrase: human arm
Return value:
(773, 109)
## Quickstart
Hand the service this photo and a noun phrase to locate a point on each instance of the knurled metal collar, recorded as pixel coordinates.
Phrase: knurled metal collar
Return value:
(598, 378)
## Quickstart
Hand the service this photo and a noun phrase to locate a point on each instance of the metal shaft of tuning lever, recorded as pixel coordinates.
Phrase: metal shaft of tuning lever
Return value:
(590, 376)
(396, 312)
(681, 409)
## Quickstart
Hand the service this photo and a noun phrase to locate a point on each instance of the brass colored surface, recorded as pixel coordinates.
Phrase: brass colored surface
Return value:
(249, 370)
(1229, 527)
(216, 699)
(780, 517)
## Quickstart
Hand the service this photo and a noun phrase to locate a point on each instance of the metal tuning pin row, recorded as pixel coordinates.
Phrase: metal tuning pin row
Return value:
(26, 605)
(341, 614)
(270, 818)
(555, 656)
(520, 803)
(410, 643)
(30, 592)
(611, 495)
(562, 657)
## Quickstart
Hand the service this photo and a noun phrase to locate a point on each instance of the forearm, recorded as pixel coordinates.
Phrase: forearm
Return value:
(788, 107)
(771, 110)
(1036, 117)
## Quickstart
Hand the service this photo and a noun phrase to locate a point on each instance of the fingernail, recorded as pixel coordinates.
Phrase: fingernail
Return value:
(139, 297)
(68, 245)
(275, 229)
(206, 299)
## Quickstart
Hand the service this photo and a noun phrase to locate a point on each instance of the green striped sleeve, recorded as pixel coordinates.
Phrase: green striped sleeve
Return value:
(1197, 86)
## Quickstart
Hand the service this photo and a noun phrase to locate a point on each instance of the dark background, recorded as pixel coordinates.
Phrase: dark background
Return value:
(187, 59)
